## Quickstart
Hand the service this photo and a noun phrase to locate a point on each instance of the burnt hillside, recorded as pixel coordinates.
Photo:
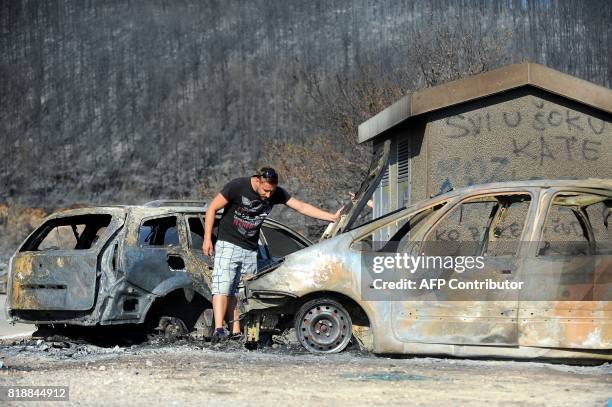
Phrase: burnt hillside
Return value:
(126, 101)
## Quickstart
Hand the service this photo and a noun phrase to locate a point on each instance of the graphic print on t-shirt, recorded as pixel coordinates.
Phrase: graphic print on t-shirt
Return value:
(250, 215)
(254, 204)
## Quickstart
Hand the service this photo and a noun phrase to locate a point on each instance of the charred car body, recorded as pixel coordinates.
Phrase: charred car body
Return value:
(123, 265)
(555, 236)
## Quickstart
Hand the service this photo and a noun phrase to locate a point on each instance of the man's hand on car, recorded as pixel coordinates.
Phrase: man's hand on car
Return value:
(336, 216)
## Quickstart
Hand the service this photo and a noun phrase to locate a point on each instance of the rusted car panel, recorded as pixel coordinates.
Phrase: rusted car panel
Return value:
(118, 265)
(559, 314)
(38, 284)
(59, 279)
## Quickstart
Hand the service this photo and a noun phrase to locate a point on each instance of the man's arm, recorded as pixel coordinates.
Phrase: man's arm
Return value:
(216, 204)
(313, 212)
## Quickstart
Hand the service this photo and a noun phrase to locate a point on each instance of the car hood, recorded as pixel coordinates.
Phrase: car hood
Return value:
(326, 264)
(350, 213)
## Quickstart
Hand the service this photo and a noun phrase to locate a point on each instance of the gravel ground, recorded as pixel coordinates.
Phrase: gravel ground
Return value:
(190, 372)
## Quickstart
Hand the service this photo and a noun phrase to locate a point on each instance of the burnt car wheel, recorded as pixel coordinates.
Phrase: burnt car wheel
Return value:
(172, 327)
(323, 326)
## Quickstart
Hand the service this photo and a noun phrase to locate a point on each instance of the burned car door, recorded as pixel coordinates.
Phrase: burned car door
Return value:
(477, 241)
(202, 265)
(57, 266)
(567, 300)
(157, 255)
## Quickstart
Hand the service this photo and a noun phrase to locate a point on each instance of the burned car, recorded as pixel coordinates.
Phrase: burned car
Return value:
(552, 237)
(124, 265)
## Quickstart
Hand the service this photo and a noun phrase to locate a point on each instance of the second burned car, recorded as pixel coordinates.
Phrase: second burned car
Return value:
(119, 265)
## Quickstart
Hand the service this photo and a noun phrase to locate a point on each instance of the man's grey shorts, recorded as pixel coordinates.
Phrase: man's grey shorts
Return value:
(231, 262)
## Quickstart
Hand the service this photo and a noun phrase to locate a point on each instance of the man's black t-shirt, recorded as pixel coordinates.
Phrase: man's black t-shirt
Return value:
(245, 212)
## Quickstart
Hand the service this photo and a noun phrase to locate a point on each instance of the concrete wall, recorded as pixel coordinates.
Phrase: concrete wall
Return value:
(523, 134)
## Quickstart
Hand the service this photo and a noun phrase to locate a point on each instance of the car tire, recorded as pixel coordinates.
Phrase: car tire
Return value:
(323, 325)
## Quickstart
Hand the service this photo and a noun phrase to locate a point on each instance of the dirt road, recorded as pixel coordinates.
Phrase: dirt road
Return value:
(196, 373)
(8, 330)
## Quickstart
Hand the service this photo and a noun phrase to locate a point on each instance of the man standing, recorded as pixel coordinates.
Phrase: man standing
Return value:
(247, 202)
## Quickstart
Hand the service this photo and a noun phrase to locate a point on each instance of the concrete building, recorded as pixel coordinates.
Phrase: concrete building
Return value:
(520, 122)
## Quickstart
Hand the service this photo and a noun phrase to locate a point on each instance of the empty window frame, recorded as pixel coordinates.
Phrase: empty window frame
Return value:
(279, 242)
(160, 232)
(486, 225)
(196, 232)
(70, 233)
(406, 228)
(577, 224)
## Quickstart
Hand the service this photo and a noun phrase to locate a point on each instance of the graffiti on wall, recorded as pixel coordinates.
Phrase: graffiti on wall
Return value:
(539, 136)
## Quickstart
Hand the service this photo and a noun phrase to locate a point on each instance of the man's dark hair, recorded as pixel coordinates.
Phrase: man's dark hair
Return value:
(267, 174)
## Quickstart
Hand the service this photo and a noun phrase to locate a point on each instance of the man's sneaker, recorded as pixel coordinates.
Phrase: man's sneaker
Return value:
(218, 336)
(237, 336)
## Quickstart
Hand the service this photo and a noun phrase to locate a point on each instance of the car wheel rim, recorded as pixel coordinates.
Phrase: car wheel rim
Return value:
(324, 328)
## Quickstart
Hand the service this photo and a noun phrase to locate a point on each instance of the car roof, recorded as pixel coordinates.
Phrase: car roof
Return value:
(591, 183)
(141, 209)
